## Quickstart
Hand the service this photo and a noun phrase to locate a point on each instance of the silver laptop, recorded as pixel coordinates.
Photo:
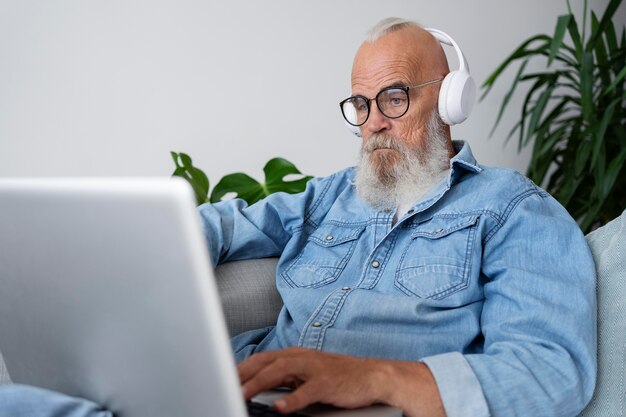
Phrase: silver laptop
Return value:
(107, 293)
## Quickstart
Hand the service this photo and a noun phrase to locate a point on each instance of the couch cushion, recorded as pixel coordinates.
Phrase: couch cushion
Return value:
(608, 245)
(248, 292)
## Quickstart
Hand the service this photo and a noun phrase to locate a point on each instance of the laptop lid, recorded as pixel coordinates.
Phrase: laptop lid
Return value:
(107, 293)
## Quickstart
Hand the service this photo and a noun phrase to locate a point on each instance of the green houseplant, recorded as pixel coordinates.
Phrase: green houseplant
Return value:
(242, 185)
(574, 113)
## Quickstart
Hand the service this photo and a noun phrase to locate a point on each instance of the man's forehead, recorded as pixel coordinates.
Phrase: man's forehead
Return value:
(375, 69)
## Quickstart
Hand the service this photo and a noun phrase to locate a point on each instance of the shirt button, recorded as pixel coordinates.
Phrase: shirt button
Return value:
(329, 238)
(346, 288)
(317, 324)
(410, 211)
(375, 264)
(387, 210)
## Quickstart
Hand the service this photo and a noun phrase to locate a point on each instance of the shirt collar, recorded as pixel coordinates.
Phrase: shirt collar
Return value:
(463, 161)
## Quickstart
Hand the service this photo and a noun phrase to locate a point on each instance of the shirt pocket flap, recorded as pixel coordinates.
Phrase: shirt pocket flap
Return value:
(439, 227)
(333, 234)
(325, 255)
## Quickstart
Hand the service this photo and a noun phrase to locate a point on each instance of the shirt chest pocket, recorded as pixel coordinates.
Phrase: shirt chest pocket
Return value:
(437, 260)
(324, 256)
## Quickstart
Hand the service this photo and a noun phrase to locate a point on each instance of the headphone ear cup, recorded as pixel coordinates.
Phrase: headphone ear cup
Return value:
(456, 97)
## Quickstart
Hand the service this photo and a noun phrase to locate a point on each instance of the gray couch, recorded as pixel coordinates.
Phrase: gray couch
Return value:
(251, 301)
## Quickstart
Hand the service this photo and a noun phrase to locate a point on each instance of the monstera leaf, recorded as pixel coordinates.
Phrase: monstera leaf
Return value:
(241, 185)
(250, 190)
(194, 176)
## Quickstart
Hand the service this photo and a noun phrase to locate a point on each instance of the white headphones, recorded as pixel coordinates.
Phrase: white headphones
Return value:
(458, 89)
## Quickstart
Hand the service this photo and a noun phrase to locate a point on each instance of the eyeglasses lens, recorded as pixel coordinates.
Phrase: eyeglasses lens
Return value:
(392, 102)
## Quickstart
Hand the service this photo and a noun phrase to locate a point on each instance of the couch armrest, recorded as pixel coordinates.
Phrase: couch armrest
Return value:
(248, 292)
(608, 245)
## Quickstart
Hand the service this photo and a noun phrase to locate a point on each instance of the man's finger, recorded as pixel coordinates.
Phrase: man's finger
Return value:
(251, 366)
(306, 394)
(281, 371)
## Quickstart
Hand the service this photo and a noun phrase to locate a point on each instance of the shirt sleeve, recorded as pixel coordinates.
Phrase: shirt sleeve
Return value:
(234, 230)
(458, 386)
(538, 320)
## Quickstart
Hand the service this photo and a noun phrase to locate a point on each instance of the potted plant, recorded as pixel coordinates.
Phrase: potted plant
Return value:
(574, 113)
(242, 185)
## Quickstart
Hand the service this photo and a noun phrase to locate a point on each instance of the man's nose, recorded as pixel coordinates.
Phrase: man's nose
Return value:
(377, 122)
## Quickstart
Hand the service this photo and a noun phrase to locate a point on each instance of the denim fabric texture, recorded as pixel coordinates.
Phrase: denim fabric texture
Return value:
(25, 401)
(487, 280)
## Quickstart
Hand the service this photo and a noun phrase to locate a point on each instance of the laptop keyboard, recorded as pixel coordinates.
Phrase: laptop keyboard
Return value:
(262, 410)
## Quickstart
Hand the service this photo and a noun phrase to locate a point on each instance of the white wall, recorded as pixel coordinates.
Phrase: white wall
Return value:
(109, 87)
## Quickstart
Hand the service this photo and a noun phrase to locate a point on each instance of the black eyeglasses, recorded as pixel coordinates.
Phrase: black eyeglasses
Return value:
(393, 102)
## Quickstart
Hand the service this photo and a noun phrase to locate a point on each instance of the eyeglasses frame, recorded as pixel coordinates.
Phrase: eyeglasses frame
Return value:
(405, 88)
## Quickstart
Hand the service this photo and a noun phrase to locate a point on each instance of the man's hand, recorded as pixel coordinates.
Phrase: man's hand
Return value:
(341, 380)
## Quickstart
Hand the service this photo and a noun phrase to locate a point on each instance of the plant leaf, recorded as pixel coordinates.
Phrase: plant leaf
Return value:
(541, 160)
(572, 29)
(250, 190)
(559, 33)
(599, 49)
(586, 84)
(575, 115)
(244, 186)
(512, 132)
(612, 171)
(194, 176)
(604, 22)
(550, 120)
(618, 79)
(606, 188)
(567, 189)
(526, 111)
(601, 131)
(582, 156)
(275, 172)
(507, 97)
(520, 52)
(537, 112)
(611, 37)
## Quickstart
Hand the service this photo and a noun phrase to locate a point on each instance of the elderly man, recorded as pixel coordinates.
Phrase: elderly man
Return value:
(419, 278)
(448, 286)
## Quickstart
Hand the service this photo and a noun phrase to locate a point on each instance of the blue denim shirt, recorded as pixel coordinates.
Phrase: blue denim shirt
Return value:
(487, 280)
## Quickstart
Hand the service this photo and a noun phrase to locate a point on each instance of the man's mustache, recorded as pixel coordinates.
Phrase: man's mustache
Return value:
(379, 141)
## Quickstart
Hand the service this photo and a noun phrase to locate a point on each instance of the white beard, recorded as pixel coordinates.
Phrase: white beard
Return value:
(401, 178)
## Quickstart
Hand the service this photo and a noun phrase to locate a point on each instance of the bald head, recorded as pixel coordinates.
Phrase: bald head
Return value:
(404, 43)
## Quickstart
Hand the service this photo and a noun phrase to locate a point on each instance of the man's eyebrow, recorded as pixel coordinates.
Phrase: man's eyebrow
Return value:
(390, 85)
(396, 84)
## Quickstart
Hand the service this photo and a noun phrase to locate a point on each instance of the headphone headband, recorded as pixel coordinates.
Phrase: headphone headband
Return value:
(443, 37)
